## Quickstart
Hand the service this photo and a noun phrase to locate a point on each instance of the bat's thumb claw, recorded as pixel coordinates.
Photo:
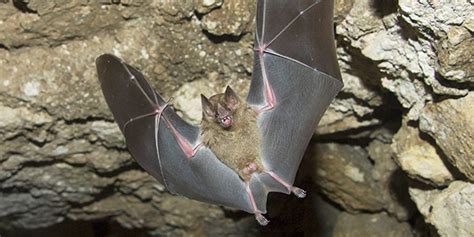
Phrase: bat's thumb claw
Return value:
(300, 193)
(261, 219)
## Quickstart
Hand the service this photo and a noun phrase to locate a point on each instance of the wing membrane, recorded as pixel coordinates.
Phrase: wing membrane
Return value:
(152, 143)
(299, 63)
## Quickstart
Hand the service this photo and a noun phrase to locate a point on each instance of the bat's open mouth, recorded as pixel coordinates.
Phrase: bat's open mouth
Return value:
(226, 121)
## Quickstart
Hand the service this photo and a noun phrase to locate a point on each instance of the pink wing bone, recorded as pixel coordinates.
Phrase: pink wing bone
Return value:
(270, 100)
(183, 143)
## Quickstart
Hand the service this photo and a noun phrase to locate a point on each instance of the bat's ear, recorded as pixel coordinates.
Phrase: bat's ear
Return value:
(207, 107)
(231, 99)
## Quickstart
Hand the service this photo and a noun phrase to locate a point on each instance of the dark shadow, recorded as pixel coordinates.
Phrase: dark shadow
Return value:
(23, 6)
(218, 39)
(69, 228)
(384, 7)
(398, 186)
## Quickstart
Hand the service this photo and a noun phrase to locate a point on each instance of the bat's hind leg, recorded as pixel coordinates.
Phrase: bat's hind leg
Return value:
(295, 190)
(258, 215)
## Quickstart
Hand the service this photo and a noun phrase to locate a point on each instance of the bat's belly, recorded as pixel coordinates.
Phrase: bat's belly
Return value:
(238, 150)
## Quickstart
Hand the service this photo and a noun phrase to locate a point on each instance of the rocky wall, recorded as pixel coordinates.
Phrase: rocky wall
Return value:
(392, 155)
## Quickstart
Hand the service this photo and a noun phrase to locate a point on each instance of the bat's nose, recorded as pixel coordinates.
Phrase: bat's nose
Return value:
(226, 122)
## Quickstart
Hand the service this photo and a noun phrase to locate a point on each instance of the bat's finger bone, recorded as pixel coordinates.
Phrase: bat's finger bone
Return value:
(169, 102)
(260, 48)
(158, 111)
(265, 108)
(196, 148)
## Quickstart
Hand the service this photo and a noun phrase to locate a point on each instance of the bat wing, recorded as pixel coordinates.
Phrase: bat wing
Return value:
(150, 127)
(296, 69)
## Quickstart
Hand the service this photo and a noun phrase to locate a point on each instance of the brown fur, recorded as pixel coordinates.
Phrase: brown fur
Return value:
(237, 146)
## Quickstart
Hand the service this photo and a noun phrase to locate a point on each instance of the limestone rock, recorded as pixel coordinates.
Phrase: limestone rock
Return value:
(450, 210)
(343, 173)
(233, 18)
(370, 225)
(341, 9)
(451, 124)
(350, 113)
(393, 182)
(419, 158)
(455, 55)
(205, 6)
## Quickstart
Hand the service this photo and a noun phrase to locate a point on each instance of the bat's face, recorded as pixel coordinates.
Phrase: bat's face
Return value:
(220, 108)
(224, 115)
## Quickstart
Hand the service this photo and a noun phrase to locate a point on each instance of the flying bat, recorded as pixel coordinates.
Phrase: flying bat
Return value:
(244, 148)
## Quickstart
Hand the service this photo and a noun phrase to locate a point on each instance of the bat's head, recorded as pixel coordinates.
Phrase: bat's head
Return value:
(220, 108)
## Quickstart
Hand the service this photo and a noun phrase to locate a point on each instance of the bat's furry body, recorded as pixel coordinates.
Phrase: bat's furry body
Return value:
(237, 146)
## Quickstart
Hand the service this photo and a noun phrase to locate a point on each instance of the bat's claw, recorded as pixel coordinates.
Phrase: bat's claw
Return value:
(261, 219)
(300, 193)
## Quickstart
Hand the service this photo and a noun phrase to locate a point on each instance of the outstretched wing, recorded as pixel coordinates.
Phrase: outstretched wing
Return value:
(295, 59)
(150, 128)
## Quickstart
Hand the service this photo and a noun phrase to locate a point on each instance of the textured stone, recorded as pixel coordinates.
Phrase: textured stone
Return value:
(343, 173)
(393, 183)
(233, 18)
(451, 123)
(418, 158)
(341, 9)
(455, 55)
(442, 19)
(370, 225)
(450, 210)
(205, 6)
(351, 113)
(404, 60)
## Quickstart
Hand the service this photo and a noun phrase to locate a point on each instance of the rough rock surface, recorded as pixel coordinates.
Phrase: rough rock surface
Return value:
(343, 172)
(415, 155)
(451, 210)
(451, 123)
(370, 225)
(405, 115)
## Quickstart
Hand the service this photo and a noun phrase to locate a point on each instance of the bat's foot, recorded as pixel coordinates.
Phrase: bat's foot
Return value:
(300, 193)
(261, 219)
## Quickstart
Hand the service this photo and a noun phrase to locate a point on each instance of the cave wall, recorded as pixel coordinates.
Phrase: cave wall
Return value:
(395, 147)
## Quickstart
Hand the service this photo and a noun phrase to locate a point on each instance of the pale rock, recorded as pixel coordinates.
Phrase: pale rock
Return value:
(450, 211)
(344, 174)
(370, 225)
(419, 158)
(451, 124)
(233, 18)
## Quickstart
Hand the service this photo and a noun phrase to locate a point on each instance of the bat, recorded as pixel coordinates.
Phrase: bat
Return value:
(244, 148)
